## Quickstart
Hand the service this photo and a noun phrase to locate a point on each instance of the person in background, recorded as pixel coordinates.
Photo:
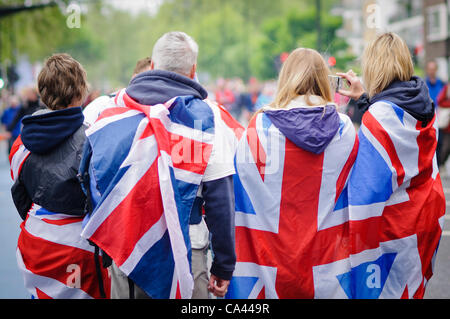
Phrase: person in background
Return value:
(443, 100)
(224, 94)
(94, 108)
(267, 95)
(142, 66)
(435, 86)
(8, 116)
(31, 104)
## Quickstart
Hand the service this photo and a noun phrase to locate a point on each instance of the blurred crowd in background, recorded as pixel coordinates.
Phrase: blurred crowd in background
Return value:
(242, 99)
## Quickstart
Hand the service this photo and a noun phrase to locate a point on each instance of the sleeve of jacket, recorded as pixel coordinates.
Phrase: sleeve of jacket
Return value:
(20, 197)
(219, 205)
(363, 102)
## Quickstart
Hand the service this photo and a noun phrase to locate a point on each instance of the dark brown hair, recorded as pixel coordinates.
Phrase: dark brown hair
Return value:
(62, 81)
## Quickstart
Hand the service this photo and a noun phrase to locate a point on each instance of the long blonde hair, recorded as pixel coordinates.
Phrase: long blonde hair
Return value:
(304, 72)
(385, 60)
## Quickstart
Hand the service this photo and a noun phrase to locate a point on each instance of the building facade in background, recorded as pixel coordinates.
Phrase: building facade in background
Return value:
(424, 24)
(437, 36)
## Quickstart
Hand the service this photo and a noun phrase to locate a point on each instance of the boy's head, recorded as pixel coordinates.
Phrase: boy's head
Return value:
(142, 66)
(62, 82)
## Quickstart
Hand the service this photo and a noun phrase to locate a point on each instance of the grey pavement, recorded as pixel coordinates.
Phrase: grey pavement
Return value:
(11, 282)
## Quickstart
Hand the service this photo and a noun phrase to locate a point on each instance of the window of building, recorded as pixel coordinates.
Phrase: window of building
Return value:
(437, 28)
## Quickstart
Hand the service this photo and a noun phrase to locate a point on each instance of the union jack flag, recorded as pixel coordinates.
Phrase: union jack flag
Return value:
(146, 166)
(55, 261)
(330, 226)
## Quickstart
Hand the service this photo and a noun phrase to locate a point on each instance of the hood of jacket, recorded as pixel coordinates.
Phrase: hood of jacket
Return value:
(159, 86)
(310, 128)
(412, 96)
(45, 130)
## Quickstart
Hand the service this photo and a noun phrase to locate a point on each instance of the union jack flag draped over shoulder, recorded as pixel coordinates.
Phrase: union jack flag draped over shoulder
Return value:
(55, 261)
(329, 226)
(395, 206)
(146, 167)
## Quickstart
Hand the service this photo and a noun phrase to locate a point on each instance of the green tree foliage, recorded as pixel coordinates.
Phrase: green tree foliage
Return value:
(236, 38)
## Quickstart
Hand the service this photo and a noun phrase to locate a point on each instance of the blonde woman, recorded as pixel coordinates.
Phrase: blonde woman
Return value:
(395, 198)
(292, 165)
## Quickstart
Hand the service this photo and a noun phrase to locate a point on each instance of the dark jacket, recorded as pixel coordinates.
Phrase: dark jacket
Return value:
(49, 175)
(412, 96)
(157, 86)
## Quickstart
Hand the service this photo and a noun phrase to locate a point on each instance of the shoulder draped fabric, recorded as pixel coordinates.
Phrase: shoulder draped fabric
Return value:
(55, 261)
(146, 167)
(285, 196)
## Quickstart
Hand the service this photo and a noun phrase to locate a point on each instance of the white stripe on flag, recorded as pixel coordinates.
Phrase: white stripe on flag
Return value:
(161, 113)
(17, 160)
(51, 287)
(68, 234)
(105, 121)
(179, 249)
(153, 235)
(187, 176)
(141, 157)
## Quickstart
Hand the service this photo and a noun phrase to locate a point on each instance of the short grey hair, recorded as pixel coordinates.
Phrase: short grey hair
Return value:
(176, 52)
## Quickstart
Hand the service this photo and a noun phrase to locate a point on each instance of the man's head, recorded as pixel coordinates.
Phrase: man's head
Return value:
(176, 52)
(431, 69)
(142, 66)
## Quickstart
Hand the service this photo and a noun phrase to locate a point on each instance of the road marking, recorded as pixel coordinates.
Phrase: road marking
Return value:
(446, 233)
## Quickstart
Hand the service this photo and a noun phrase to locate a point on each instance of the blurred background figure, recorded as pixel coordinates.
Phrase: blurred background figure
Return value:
(142, 66)
(443, 100)
(30, 104)
(267, 94)
(12, 107)
(224, 95)
(435, 86)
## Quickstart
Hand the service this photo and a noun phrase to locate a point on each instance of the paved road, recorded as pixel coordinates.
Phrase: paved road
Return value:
(439, 285)
(11, 283)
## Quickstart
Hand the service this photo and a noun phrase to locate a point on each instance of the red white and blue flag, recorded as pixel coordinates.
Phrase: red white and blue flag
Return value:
(146, 167)
(55, 261)
(395, 206)
(308, 230)
(285, 198)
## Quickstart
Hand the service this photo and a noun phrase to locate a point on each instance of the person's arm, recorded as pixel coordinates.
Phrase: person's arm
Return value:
(443, 99)
(219, 206)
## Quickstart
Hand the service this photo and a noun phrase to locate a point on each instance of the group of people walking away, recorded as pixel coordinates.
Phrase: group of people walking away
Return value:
(127, 203)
